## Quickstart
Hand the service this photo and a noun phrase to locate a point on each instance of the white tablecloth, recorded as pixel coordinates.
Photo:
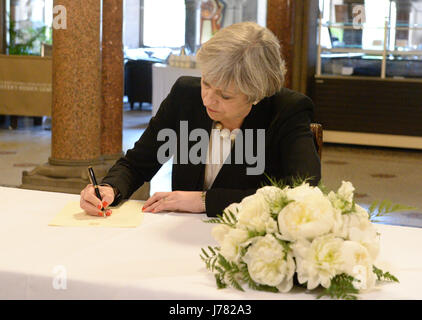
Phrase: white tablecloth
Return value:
(157, 260)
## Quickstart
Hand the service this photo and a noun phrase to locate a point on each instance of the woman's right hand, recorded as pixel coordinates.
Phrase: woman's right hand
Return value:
(92, 205)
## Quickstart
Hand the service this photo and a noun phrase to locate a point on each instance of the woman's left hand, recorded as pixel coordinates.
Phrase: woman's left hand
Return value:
(184, 201)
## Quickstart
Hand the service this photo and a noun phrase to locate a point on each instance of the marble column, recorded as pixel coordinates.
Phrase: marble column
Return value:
(2, 26)
(112, 80)
(192, 25)
(76, 114)
(87, 98)
(229, 14)
(280, 20)
(233, 12)
(76, 111)
(238, 10)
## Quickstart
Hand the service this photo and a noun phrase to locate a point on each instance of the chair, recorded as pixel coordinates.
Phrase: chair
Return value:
(316, 129)
(138, 81)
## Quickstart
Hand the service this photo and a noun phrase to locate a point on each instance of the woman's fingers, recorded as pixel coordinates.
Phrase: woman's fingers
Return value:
(92, 198)
(182, 201)
(92, 205)
(90, 209)
(88, 206)
(107, 194)
(164, 204)
(149, 204)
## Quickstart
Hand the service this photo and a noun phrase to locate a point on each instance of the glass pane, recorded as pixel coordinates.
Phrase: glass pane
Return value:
(353, 33)
(404, 66)
(28, 26)
(164, 23)
(348, 64)
(355, 24)
(406, 26)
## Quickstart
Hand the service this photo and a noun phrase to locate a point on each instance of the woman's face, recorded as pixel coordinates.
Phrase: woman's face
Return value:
(228, 106)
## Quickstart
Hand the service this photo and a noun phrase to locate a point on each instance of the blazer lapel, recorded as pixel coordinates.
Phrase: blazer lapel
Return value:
(258, 118)
(191, 176)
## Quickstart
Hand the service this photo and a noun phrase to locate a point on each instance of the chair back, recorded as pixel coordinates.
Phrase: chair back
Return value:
(316, 129)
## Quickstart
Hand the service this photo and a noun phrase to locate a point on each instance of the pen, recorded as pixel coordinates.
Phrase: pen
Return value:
(94, 183)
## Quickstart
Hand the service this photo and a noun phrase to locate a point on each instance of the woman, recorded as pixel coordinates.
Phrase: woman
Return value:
(241, 91)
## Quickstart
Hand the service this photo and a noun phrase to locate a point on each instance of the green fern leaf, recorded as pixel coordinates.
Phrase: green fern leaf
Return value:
(384, 276)
(341, 287)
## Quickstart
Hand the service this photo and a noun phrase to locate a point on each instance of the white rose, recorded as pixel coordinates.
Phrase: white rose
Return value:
(357, 227)
(357, 262)
(255, 215)
(343, 199)
(219, 232)
(274, 197)
(346, 191)
(361, 212)
(308, 218)
(230, 240)
(368, 237)
(271, 192)
(335, 200)
(269, 264)
(318, 262)
(302, 192)
(355, 219)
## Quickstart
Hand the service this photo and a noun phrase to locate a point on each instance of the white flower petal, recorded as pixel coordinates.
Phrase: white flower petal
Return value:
(266, 262)
(308, 218)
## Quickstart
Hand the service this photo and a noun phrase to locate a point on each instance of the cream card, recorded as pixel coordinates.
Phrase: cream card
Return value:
(127, 215)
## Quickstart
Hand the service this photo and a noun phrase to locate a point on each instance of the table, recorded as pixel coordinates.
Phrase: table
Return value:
(163, 78)
(157, 260)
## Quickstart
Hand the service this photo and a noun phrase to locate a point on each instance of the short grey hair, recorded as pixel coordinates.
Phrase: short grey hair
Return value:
(245, 55)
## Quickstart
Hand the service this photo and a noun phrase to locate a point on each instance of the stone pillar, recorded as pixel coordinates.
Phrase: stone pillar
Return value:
(76, 111)
(3, 26)
(229, 14)
(112, 80)
(233, 12)
(280, 20)
(86, 120)
(238, 11)
(76, 114)
(2, 38)
(192, 25)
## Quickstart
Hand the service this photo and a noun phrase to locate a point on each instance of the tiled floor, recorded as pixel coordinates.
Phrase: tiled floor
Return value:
(376, 173)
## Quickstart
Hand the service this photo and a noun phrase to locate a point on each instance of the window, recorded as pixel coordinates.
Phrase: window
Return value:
(164, 23)
(28, 26)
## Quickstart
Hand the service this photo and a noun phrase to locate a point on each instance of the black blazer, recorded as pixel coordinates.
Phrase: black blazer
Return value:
(289, 148)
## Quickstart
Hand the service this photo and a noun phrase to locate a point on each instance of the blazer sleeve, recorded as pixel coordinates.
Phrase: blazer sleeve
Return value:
(293, 140)
(298, 151)
(140, 163)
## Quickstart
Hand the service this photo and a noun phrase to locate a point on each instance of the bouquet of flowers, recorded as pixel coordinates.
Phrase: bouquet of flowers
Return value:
(305, 235)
